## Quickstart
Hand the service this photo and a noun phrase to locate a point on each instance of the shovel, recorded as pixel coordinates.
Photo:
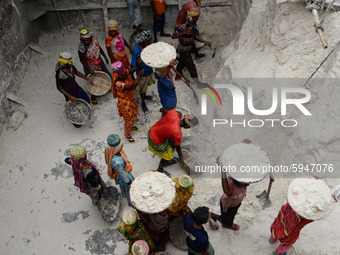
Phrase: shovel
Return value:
(214, 49)
(187, 83)
(264, 196)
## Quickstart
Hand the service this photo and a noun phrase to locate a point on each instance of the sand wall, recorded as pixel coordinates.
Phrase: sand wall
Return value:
(16, 33)
(278, 40)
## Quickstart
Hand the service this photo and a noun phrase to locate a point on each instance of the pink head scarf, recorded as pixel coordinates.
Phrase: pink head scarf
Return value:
(118, 67)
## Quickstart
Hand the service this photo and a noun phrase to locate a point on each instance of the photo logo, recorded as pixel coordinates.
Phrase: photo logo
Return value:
(281, 98)
(204, 97)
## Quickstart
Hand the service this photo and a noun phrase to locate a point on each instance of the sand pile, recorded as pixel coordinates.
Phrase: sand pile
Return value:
(278, 40)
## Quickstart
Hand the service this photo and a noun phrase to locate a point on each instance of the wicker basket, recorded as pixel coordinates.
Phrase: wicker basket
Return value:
(78, 112)
(186, 161)
(109, 205)
(102, 83)
(177, 233)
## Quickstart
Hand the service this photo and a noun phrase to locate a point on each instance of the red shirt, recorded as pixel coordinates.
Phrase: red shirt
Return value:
(167, 127)
(182, 15)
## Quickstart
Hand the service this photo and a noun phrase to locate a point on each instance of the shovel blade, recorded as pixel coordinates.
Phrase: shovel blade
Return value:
(264, 199)
(214, 51)
(266, 203)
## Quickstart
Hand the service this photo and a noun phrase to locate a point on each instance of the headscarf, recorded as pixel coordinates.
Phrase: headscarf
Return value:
(129, 217)
(140, 247)
(114, 141)
(85, 33)
(185, 182)
(118, 67)
(191, 120)
(112, 25)
(64, 58)
(78, 154)
(144, 36)
(115, 146)
(193, 12)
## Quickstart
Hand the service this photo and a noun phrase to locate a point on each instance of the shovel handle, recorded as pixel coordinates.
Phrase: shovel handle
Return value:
(187, 83)
(271, 180)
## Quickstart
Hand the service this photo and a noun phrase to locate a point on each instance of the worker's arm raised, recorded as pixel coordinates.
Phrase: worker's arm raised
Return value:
(135, 83)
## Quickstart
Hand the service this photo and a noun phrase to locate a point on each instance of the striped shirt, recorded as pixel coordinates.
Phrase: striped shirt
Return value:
(186, 40)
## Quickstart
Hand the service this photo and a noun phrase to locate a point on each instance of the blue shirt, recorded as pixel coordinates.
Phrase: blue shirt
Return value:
(136, 52)
(167, 92)
(197, 239)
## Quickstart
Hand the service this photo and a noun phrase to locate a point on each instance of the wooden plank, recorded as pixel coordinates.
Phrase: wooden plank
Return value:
(37, 49)
(15, 98)
(216, 4)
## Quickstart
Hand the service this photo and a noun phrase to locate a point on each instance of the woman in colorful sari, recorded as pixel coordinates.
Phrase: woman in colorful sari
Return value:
(119, 167)
(86, 175)
(157, 225)
(123, 87)
(184, 190)
(115, 45)
(134, 230)
(89, 52)
(286, 228)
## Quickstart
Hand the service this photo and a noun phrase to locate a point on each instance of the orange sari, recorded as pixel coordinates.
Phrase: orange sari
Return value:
(127, 105)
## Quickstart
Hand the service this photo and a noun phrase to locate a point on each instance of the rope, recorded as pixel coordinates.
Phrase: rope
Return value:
(323, 61)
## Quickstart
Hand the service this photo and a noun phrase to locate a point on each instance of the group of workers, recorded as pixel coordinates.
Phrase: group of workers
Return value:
(148, 233)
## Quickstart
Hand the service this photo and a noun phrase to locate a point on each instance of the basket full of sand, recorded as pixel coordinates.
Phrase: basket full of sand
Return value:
(245, 162)
(311, 198)
(101, 83)
(78, 112)
(152, 192)
(158, 55)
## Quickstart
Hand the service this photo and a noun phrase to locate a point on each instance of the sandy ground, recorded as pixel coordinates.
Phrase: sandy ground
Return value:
(44, 213)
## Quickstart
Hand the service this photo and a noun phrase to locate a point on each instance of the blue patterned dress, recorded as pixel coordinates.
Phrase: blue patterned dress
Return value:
(118, 164)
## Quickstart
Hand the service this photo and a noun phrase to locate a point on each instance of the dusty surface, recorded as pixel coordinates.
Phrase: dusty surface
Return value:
(44, 213)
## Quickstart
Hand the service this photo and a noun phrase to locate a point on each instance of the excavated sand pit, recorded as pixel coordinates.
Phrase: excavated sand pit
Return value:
(44, 213)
